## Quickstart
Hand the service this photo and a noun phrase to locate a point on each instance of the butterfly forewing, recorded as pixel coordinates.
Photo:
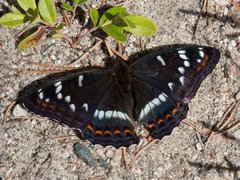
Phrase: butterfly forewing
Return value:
(164, 82)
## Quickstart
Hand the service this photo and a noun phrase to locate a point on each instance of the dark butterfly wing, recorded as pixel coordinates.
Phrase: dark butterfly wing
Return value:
(87, 101)
(164, 82)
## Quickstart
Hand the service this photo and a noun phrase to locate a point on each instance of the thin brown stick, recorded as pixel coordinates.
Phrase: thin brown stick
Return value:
(110, 52)
(7, 112)
(52, 66)
(125, 58)
(141, 150)
(231, 109)
(124, 160)
(123, 3)
(189, 123)
(40, 72)
(234, 127)
(59, 138)
(234, 110)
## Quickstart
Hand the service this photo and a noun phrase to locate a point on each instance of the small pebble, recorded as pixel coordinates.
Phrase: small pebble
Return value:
(84, 154)
(237, 96)
(199, 146)
(19, 111)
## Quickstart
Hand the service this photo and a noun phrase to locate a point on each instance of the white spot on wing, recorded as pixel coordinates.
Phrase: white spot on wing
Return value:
(186, 63)
(181, 70)
(121, 115)
(181, 79)
(183, 56)
(142, 114)
(72, 107)
(182, 51)
(201, 54)
(40, 95)
(85, 106)
(114, 115)
(151, 105)
(67, 99)
(162, 98)
(39, 90)
(147, 109)
(59, 96)
(108, 114)
(199, 60)
(170, 85)
(57, 83)
(58, 89)
(47, 100)
(95, 113)
(156, 101)
(160, 59)
(80, 79)
(101, 115)
(200, 48)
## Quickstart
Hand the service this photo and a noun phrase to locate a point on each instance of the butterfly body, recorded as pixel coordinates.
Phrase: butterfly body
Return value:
(107, 104)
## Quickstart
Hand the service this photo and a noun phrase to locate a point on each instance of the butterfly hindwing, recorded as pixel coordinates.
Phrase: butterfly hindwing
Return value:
(164, 82)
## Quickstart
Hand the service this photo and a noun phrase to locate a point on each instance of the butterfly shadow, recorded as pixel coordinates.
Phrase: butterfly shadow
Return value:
(222, 132)
(205, 167)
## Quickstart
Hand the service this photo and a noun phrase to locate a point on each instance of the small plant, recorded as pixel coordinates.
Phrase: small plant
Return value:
(115, 22)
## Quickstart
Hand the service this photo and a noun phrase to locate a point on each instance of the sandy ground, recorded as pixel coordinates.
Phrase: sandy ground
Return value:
(35, 148)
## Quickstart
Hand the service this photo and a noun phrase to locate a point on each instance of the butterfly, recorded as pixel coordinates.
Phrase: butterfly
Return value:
(107, 104)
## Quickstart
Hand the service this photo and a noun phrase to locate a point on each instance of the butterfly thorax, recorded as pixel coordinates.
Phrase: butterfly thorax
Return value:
(121, 80)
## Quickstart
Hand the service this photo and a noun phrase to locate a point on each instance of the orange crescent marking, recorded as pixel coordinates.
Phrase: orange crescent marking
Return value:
(98, 133)
(128, 132)
(160, 121)
(151, 126)
(90, 128)
(174, 111)
(117, 133)
(168, 116)
(107, 133)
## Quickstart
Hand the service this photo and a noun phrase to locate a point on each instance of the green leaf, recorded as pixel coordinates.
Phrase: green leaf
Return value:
(13, 19)
(119, 21)
(115, 32)
(94, 16)
(111, 13)
(14, 9)
(59, 27)
(27, 4)
(67, 6)
(47, 11)
(56, 36)
(80, 1)
(143, 25)
(32, 39)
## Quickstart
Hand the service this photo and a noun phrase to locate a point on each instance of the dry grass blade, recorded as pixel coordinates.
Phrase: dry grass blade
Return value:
(225, 120)
(142, 150)
(230, 118)
(110, 52)
(7, 112)
(191, 124)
